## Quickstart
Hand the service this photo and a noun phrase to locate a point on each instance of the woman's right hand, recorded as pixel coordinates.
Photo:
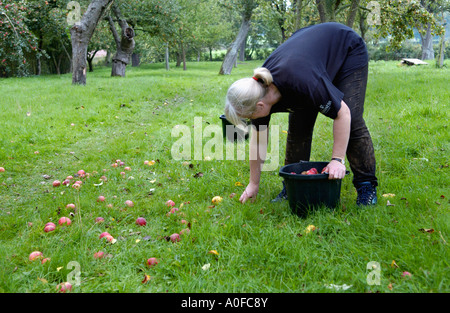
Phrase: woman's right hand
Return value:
(249, 193)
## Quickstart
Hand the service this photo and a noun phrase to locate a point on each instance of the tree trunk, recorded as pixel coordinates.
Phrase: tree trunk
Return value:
(322, 12)
(352, 13)
(183, 54)
(427, 45)
(135, 59)
(90, 58)
(167, 57)
(210, 54)
(81, 33)
(242, 50)
(230, 57)
(440, 56)
(125, 43)
(108, 58)
(298, 14)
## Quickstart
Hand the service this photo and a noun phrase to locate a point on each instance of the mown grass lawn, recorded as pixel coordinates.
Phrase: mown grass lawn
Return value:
(51, 129)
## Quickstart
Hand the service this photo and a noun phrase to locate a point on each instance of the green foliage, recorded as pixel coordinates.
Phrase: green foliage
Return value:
(381, 51)
(16, 39)
(398, 18)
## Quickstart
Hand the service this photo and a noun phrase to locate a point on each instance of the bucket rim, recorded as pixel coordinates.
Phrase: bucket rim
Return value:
(299, 176)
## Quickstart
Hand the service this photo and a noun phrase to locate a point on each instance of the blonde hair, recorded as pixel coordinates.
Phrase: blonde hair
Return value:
(244, 93)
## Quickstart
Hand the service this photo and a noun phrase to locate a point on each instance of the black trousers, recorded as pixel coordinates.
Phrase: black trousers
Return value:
(360, 152)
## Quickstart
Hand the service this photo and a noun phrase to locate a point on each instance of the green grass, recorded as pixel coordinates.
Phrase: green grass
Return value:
(262, 247)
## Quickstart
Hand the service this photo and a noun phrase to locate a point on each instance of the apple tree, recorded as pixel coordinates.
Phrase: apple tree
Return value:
(81, 33)
(245, 9)
(16, 40)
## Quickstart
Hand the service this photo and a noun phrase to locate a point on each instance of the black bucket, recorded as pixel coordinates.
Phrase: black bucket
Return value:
(309, 192)
(231, 132)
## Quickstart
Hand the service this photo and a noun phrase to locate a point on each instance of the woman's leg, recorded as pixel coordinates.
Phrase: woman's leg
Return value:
(360, 152)
(300, 134)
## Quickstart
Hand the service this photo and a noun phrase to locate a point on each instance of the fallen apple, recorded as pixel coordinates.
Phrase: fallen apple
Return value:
(129, 203)
(35, 255)
(127, 168)
(104, 234)
(152, 262)
(216, 199)
(56, 183)
(173, 210)
(184, 222)
(70, 177)
(70, 206)
(174, 237)
(81, 173)
(64, 287)
(185, 231)
(2, 169)
(141, 221)
(99, 220)
(99, 255)
(45, 260)
(64, 220)
(406, 274)
(170, 203)
(66, 182)
(100, 199)
(110, 238)
(49, 227)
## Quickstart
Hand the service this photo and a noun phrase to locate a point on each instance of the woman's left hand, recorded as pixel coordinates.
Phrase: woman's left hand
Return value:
(335, 170)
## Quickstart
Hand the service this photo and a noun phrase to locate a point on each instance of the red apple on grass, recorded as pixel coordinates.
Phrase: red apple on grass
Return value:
(64, 220)
(99, 255)
(185, 231)
(56, 183)
(104, 234)
(64, 287)
(170, 203)
(152, 262)
(35, 255)
(2, 169)
(129, 203)
(100, 199)
(70, 206)
(141, 221)
(99, 220)
(45, 260)
(175, 237)
(49, 227)
(81, 173)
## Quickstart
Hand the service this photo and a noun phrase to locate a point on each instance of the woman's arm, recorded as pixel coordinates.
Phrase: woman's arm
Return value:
(341, 135)
(258, 151)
